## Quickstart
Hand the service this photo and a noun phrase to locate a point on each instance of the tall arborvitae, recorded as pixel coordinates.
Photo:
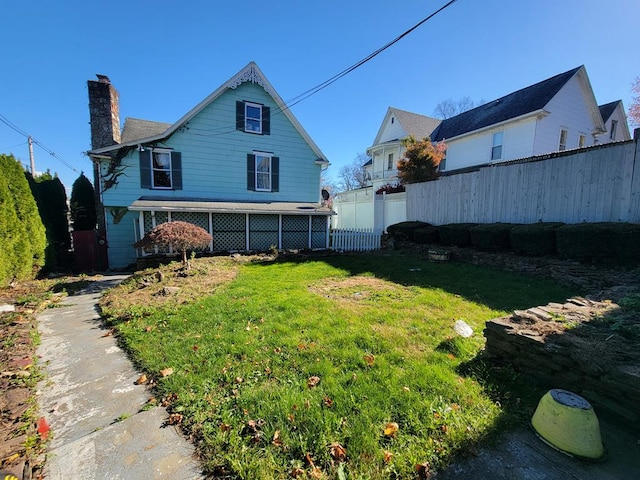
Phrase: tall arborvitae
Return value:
(83, 204)
(21, 228)
(51, 198)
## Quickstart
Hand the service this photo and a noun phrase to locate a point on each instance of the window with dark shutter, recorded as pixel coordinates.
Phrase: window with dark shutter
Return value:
(160, 169)
(253, 118)
(251, 171)
(263, 172)
(176, 170)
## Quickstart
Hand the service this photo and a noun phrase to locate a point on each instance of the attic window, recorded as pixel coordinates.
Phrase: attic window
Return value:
(253, 118)
(393, 120)
(612, 133)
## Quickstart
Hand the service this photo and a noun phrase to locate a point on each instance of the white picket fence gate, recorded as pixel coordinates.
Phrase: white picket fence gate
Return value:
(355, 240)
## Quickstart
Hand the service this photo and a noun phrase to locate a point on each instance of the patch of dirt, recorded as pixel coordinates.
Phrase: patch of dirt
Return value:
(359, 288)
(20, 444)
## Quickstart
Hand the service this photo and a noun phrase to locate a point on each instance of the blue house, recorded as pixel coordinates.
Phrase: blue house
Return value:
(238, 164)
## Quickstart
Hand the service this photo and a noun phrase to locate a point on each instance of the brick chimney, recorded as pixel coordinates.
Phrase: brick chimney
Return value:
(104, 112)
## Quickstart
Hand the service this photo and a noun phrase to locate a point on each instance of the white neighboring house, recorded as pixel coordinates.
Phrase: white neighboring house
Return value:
(559, 113)
(615, 121)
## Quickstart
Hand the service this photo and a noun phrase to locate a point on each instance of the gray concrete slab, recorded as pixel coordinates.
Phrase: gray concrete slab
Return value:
(93, 406)
(521, 455)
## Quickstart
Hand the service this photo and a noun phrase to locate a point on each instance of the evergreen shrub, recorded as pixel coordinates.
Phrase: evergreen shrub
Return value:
(426, 235)
(491, 237)
(604, 243)
(405, 230)
(536, 239)
(456, 234)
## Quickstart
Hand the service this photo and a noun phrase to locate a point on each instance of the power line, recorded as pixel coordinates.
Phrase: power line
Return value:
(312, 91)
(13, 146)
(17, 129)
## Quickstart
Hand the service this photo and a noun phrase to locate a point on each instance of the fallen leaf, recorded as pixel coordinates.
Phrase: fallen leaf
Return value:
(148, 328)
(225, 427)
(296, 472)
(175, 419)
(43, 428)
(406, 389)
(142, 379)
(369, 359)
(276, 439)
(326, 400)
(455, 407)
(337, 451)
(391, 429)
(166, 372)
(387, 456)
(313, 381)
(195, 348)
(423, 471)
(239, 379)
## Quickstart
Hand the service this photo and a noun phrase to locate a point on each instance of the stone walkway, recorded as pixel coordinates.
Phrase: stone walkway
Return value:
(93, 406)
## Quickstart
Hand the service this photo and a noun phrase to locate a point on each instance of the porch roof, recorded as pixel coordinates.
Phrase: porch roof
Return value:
(216, 206)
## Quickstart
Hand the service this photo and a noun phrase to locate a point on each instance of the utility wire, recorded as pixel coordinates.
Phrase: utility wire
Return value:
(17, 129)
(346, 71)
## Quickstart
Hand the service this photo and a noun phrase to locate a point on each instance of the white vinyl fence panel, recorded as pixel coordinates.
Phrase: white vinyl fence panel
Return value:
(355, 240)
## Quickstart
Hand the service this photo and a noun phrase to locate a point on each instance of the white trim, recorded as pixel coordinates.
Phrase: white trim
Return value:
(246, 117)
(257, 155)
(153, 169)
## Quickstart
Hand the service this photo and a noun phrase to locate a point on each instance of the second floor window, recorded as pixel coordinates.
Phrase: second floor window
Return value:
(161, 169)
(496, 146)
(263, 172)
(390, 162)
(612, 133)
(562, 144)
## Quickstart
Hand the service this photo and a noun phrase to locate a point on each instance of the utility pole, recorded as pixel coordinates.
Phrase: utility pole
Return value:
(31, 159)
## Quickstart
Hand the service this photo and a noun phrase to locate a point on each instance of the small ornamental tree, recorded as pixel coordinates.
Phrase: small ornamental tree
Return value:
(420, 161)
(179, 236)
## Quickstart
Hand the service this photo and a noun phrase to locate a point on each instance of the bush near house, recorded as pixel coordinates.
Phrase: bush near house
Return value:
(426, 235)
(536, 239)
(491, 237)
(456, 234)
(405, 230)
(605, 242)
(21, 230)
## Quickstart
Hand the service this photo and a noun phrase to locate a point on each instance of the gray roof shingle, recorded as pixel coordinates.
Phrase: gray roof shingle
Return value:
(420, 126)
(136, 129)
(521, 102)
(607, 109)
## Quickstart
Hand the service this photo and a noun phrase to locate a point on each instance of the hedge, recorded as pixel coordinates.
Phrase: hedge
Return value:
(601, 243)
(536, 239)
(405, 230)
(426, 235)
(491, 237)
(456, 234)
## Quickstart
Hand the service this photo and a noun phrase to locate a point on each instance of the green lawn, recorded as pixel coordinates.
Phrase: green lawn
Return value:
(341, 367)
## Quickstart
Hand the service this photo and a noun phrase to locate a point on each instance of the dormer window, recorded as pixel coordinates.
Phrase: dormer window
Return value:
(253, 118)
(612, 133)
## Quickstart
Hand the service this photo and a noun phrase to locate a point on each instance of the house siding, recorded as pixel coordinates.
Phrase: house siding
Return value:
(569, 112)
(622, 131)
(121, 237)
(476, 149)
(214, 157)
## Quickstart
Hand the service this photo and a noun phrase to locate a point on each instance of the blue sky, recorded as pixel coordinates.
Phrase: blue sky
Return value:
(164, 57)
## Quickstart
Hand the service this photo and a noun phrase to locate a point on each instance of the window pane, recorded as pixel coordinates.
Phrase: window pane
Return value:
(496, 153)
(161, 160)
(497, 139)
(161, 179)
(253, 112)
(263, 172)
(263, 164)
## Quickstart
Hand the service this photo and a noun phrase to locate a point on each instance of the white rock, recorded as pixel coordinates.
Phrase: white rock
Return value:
(462, 329)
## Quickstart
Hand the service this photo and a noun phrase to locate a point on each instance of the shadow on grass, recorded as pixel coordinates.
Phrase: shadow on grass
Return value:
(497, 289)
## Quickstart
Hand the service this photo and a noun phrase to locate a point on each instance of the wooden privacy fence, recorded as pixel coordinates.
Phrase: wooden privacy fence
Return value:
(595, 184)
(355, 240)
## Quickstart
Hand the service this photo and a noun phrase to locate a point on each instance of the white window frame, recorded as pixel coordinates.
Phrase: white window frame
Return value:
(248, 118)
(258, 158)
(154, 169)
(614, 128)
(582, 140)
(562, 141)
(390, 161)
(495, 145)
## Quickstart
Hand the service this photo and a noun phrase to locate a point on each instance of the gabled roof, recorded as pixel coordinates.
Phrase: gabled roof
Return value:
(607, 109)
(420, 126)
(250, 73)
(516, 104)
(135, 129)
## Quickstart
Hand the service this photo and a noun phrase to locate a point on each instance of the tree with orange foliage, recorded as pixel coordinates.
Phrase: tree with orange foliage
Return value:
(421, 160)
(179, 236)
(634, 108)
